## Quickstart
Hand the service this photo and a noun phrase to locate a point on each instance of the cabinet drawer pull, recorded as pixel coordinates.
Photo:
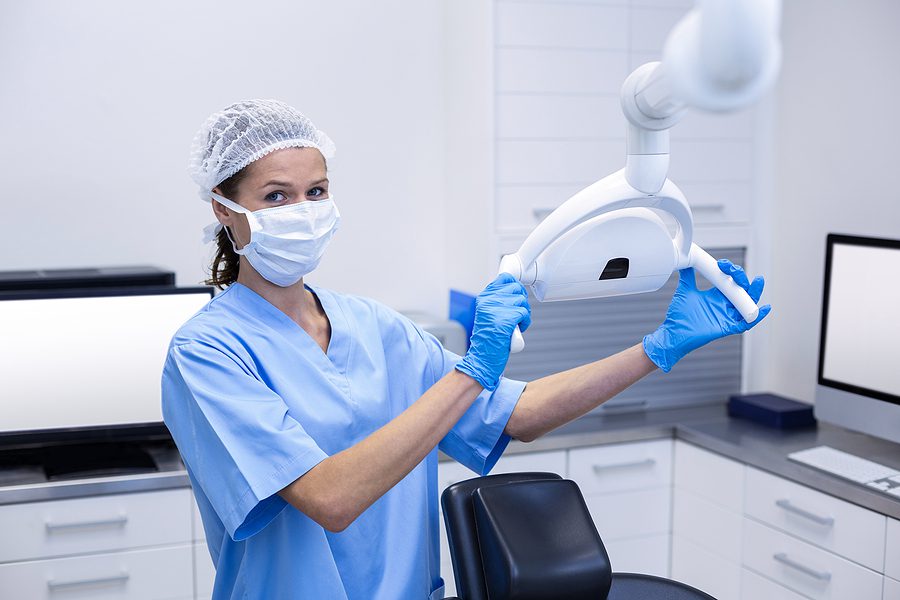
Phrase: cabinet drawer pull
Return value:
(114, 522)
(647, 462)
(820, 520)
(787, 560)
(541, 213)
(624, 405)
(708, 207)
(112, 579)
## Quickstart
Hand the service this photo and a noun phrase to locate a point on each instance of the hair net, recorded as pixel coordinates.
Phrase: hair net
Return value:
(246, 131)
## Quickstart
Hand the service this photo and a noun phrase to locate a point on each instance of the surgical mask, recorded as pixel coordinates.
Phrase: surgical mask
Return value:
(286, 242)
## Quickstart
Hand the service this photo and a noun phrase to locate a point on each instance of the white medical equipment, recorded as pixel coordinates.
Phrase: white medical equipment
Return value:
(609, 238)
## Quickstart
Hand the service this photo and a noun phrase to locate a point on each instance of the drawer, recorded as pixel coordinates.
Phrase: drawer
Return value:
(631, 514)
(450, 472)
(95, 524)
(621, 467)
(640, 555)
(204, 571)
(709, 475)
(804, 568)
(835, 525)
(705, 570)
(154, 574)
(891, 589)
(707, 524)
(754, 587)
(197, 521)
(892, 549)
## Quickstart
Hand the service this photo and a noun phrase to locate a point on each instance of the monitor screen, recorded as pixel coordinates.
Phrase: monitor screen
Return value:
(861, 317)
(87, 359)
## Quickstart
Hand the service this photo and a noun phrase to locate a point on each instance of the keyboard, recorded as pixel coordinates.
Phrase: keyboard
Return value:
(849, 466)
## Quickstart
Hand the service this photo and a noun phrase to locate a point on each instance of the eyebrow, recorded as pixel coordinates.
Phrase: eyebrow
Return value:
(286, 184)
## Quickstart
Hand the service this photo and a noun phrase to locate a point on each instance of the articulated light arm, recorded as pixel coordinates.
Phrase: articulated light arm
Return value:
(720, 57)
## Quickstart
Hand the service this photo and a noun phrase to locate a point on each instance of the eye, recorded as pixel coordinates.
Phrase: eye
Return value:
(317, 192)
(275, 197)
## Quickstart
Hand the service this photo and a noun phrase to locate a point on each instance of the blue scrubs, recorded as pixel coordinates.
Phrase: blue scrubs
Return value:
(253, 403)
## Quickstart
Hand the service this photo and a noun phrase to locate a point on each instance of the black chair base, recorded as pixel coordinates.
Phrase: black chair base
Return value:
(629, 586)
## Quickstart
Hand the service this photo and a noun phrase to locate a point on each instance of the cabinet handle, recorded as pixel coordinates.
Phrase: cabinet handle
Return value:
(787, 560)
(56, 585)
(820, 520)
(708, 207)
(541, 213)
(647, 462)
(623, 405)
(114, 522)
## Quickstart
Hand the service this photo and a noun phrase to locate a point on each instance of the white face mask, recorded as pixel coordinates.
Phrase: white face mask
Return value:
(287, 242)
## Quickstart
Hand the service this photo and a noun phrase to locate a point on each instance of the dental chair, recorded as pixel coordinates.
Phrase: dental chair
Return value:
(529, 536)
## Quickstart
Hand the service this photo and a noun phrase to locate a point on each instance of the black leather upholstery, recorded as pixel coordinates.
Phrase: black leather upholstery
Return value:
(459, 517)
(538, 541)
(529, 536)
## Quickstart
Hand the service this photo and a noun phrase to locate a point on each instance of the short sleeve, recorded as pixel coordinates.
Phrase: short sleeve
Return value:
(478, 438)
(234, 434)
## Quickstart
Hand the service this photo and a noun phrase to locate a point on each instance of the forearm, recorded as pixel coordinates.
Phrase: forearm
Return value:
(552, 401)
(341, 487)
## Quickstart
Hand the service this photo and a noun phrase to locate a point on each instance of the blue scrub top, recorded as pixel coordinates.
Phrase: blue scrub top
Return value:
(253, 403)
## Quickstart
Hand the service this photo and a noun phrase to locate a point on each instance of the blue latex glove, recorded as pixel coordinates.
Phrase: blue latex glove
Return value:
(498, 310)
(696, 318)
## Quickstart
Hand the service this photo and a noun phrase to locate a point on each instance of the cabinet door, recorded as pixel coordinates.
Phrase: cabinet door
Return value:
(804, 568)
(707, 524)
(891, 589)
(709, 475)
(835, 525)
(204, 572)
(95, 524)
(154, 574)
(755, 587)
(621, 467)
(892, 550)
(705, 570)
(640, 555)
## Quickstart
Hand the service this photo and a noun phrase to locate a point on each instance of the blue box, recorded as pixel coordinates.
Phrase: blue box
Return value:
(771, 410)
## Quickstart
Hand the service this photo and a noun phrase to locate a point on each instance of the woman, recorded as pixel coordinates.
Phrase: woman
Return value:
(309, 421)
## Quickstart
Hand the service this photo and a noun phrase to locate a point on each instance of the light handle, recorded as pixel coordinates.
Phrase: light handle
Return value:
(510, 264)
(709, 268)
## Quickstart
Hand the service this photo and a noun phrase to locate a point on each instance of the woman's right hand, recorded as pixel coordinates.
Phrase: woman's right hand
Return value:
(499, 308)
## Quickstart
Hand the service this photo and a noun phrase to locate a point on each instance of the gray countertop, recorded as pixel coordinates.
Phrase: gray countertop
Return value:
(708, 427)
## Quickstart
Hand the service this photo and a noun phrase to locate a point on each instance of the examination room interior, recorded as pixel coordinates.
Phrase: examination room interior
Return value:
(459, 125)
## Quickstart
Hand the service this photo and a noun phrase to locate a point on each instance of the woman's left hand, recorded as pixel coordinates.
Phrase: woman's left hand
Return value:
(696, 317)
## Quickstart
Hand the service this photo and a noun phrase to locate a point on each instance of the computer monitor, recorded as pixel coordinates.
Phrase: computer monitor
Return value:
(859, 360)
(86, 364)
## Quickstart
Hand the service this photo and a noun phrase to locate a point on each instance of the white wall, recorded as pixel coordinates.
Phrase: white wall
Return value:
(837, 160)
(100, 100)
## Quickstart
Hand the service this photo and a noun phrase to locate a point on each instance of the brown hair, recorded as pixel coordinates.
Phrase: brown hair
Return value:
(226, 264)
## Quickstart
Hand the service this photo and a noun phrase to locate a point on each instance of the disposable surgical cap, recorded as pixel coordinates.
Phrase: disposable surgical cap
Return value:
(246, 131)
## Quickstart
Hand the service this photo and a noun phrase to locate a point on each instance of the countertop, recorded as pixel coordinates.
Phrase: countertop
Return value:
(708, 427)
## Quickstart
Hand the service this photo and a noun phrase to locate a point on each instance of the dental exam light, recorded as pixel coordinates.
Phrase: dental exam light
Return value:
(608, 239)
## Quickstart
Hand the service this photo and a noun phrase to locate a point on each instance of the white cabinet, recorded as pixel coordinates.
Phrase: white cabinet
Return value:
(832, 524)
(739, 532)
(707, 521)
(892, 550)
(891, 589)
(148, 574)
(204, 571)
(628, 490)
(804, 568)
(112, 546)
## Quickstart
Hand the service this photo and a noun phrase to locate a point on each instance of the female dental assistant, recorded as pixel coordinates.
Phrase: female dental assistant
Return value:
(309, 421)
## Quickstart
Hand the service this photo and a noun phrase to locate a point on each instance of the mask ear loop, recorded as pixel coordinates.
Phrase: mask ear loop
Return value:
(251, 221)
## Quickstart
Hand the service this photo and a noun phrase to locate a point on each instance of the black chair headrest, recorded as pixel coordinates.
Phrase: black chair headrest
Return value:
(538, 541)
